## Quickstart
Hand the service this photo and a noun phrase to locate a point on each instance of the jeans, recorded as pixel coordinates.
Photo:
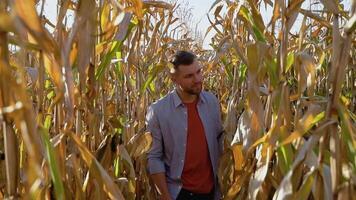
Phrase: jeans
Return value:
(188, 195)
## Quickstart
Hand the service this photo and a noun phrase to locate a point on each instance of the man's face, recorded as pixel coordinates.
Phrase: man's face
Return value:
(189, 78)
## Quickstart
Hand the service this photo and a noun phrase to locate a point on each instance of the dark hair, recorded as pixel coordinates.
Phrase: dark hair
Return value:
(183, 58)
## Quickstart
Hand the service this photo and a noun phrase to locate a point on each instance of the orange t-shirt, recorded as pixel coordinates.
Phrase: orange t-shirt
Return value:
(197, 173)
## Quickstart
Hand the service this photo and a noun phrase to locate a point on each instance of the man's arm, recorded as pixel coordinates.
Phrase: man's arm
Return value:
(220, 133)
(160, 182)
(154, 156)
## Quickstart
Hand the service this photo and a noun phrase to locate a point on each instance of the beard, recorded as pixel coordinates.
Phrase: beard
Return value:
(195, 90)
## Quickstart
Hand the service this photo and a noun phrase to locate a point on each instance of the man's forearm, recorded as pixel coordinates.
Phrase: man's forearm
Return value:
(160, 182)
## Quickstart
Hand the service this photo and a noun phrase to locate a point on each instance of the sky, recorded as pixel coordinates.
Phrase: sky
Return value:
(199, 10)
(201, 7)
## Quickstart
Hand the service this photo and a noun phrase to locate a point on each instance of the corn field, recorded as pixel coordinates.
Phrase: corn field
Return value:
(74, 93)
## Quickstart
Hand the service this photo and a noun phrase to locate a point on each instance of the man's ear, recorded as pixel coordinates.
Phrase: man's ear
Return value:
(173, 74)
(173, 77)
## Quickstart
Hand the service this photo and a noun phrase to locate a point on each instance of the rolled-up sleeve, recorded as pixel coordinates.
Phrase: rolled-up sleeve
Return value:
(155, 154)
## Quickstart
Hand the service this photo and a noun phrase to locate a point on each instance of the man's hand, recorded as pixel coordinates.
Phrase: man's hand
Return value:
(160, 182)
(165, 197)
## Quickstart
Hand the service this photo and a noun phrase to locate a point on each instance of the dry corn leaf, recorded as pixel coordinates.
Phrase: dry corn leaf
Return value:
(97, 170)
(139, 144)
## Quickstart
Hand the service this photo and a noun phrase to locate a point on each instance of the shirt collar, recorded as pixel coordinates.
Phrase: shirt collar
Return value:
(177, 101)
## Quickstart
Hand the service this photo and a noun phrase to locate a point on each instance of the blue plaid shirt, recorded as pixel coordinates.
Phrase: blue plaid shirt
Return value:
(166, 119)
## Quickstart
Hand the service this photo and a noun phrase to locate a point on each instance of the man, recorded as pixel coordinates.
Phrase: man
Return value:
(186, 130)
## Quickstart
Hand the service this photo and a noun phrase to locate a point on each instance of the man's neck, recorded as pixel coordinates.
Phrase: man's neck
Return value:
(186, 97)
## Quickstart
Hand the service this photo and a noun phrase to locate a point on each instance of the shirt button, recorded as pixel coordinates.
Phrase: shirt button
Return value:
(182, 160)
